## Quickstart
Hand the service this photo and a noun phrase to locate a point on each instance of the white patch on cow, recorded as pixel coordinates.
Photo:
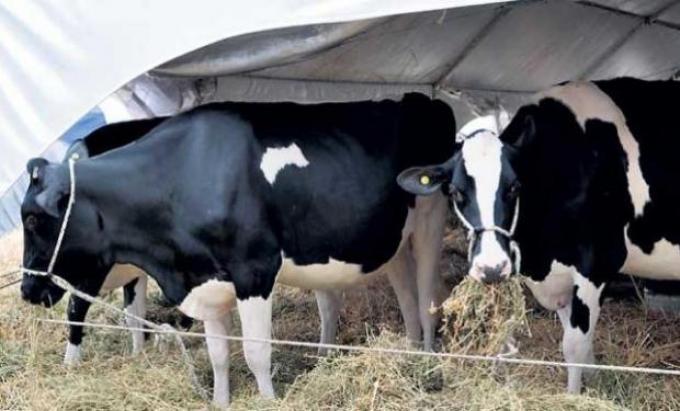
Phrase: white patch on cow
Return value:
(72, 355)
(587, 291)
(478, 124)
(482, 159)
(555, 291)
(275, 159)
(663, 263)
(211, 300)
(587, 102)
(218, 350)
(120, 275)
(334, 274)
(578, 345)
(256, 323)
(493, 123)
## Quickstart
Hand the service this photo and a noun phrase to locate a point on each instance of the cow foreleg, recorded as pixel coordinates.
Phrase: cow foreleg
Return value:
(77, 311)
(218, 349)
(400, 274)
(579, 319)
(427, 239)
(135, 304)
(329, 303)
(256, 322)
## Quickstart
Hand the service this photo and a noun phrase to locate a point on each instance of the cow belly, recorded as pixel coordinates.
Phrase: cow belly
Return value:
(663, 263)
(335, 274)
(120, 275)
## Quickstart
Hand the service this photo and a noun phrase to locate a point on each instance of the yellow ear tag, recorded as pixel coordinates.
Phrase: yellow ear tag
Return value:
(425, 180)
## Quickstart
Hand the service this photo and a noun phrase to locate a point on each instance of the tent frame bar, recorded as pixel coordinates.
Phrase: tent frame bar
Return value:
(501, 11)
(643, 21)
(653, 18)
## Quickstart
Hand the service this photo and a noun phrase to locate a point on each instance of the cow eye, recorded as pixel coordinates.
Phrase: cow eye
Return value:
(31, 222)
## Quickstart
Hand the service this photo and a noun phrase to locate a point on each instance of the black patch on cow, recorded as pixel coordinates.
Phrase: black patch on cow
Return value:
(580, 313)
(609, 206)
(650, 110)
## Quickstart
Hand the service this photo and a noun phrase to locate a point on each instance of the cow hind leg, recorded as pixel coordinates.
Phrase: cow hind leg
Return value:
(329, 303)
(218, 350)
(77, 311)
(256, 323)
(135, 304)
(400, 274)
(426, 242)
(579, 319)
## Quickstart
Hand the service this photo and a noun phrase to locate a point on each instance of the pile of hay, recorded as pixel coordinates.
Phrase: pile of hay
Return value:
(32, 377)
(484, 319)
(371, 381)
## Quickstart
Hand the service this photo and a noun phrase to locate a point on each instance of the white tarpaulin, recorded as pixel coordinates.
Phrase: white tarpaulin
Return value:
(59, 59)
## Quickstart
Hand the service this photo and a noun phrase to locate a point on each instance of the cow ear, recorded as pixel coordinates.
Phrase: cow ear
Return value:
(521, 131)
(35, 167)
(427, 180)
(55, 190)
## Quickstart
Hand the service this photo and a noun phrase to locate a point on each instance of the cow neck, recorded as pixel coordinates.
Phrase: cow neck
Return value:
(125, 194)
(546, 234)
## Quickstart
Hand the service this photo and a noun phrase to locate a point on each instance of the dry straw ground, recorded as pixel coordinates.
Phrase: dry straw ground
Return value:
(32, 378)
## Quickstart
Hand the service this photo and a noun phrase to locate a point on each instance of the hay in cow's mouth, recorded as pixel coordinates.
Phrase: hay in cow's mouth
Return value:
(484, 319)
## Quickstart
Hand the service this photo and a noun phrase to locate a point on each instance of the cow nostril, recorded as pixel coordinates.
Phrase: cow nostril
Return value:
(492, 274)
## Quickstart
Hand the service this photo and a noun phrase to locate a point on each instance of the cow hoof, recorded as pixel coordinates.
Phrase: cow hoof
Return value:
(72, 355)
(218, 406)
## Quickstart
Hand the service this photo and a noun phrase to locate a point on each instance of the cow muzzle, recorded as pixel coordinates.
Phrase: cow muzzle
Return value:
(494, 262)
(40, 291)
(491, 273)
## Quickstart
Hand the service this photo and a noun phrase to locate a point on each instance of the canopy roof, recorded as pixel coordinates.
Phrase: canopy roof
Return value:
(60, 62)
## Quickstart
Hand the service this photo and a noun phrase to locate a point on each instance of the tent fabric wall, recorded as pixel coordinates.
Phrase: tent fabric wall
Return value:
(58, 62)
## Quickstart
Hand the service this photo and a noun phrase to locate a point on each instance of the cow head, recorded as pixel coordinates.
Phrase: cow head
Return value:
(541, 164)
(82, 258)
(484, 191)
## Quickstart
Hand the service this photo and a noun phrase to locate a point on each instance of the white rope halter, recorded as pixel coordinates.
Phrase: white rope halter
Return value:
(473, 234)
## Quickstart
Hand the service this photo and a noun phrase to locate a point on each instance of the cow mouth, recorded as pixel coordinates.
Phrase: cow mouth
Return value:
(47, 299)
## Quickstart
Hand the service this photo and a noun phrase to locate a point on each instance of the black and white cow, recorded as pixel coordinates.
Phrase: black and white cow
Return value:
(220, 202)
(41, 290)
(594, 168)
